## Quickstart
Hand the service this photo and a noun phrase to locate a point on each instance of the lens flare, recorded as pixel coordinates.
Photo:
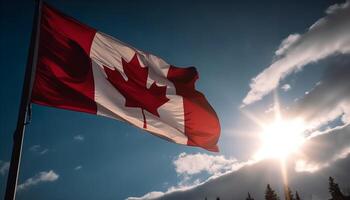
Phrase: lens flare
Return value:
(281, 138)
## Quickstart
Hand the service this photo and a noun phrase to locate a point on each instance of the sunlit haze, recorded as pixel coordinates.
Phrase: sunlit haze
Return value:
(281, 138)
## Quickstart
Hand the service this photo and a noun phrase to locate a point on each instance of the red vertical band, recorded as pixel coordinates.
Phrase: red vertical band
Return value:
(64, 76)
(202, 125)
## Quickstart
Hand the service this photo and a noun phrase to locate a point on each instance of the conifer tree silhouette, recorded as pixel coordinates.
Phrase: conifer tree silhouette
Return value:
(249, 197)
(297, 197)
(270, 194)
(288, 194)
(334, 190)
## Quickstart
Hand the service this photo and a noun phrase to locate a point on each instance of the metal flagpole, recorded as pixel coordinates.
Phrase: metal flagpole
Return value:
(25, 103)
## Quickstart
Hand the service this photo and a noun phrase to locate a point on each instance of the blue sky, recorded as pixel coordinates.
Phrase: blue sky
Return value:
(98, 158)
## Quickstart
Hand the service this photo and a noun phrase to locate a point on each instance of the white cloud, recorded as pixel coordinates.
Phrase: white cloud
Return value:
(4, 167)
(286, 43)
(34, 148)
(79, 138)
(329, 99)
(327, 36)
(41, 177)
(151, 195)
(44, 151)
(159, 194)
(303, 166)
(189, 164)
(318, 156)
(38, 149)
(324, 148)
(254, 178)
(78, 167)
(307, 166)
(286, 87)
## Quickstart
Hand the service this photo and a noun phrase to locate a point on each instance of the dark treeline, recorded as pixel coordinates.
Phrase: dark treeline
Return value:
(270, 194)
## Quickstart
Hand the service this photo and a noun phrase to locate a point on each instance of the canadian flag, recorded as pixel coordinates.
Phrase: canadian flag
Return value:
(82, 69)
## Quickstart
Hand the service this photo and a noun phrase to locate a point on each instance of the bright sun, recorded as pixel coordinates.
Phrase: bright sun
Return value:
(281, 138)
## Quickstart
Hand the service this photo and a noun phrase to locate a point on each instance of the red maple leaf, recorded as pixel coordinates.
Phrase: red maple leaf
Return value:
(134, 89)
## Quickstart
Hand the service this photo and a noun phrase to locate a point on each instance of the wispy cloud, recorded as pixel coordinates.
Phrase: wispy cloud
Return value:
(41, 177)
(79, 137)
(286, 87)
(38, 149)
(327, 36)
(34, 148)
(4, 167)
(79, 167)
